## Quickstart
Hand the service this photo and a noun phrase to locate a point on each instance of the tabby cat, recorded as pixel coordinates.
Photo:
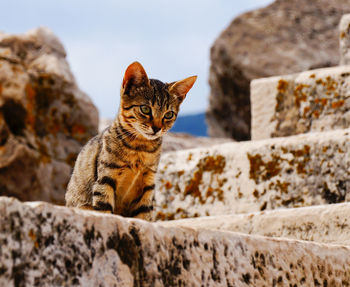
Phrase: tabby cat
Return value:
(115, 170)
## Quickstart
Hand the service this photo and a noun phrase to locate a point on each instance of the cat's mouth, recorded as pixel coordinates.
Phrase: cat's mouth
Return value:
(152, 136)
(148, 135)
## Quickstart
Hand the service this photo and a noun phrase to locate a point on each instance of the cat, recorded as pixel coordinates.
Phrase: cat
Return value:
(115, 170)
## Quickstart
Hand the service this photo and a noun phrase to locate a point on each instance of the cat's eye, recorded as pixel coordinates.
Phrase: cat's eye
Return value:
(169, 115)
(146, 110)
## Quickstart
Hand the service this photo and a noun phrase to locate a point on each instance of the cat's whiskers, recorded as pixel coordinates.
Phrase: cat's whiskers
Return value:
(127, 135)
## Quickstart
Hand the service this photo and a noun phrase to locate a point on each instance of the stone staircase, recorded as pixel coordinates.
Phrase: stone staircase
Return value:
(271, 212)
(46, 245)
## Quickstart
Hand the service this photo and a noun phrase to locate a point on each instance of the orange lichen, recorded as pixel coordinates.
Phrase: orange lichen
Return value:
(168, 185)
(299, 95)
(165, 216)
(312, 76)
(221, 182)
(32, 236)
(282, 186)
(78, 129)
(324, 101)
(330, 84)
(282, 86)
(306, 110)
(30, 93)
(210, 191)
(213, 164)
(304, 157)
(338, 104)
(220, 194)
(181, 172)
(302, 152)
(316, 114)
(256, 163)
(261, 170)
(256, 193)
(193, 186)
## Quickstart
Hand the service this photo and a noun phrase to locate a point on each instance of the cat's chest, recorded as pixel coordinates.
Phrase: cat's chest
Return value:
(141, 160)
(140, 165)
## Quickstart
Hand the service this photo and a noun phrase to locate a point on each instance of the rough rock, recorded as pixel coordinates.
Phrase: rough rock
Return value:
(45, 245)
(296, 171)
(344, 35)
(44, 117)
(283, 38)
(321, 223)
(315, 100)
(178, 141)
(181, 141)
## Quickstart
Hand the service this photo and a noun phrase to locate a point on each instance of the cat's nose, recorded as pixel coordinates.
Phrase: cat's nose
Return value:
(155, 129)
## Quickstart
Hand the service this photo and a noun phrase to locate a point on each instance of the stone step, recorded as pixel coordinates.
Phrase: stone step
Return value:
(344, 37)
(315, 100)
(323, 223)
(303, 170)
(46, 245)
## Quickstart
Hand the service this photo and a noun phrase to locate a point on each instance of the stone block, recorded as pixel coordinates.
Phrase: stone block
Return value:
(303, 170)
(46, 245)
(315, 100)
(322, 223)
(344, 39)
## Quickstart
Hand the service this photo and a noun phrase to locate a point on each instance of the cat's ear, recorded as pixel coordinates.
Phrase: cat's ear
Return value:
(181, 88)
(136, 75)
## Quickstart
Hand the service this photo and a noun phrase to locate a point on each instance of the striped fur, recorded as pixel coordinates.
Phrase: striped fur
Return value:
(115, 171)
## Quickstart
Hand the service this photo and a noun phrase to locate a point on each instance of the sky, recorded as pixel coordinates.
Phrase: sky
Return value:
(171, 39)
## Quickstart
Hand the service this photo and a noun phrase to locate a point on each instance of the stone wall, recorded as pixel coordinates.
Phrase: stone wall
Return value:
(45, 245)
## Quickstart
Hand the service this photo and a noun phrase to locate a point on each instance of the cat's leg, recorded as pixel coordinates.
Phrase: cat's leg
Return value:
(142, 206)
(103, 194)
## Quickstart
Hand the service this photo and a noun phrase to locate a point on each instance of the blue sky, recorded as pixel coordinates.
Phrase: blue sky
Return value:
(171, 39)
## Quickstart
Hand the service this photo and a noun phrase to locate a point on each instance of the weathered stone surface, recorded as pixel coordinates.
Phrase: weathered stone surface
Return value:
(315, 100)
(302, 170)
(45, 245)
(44, 117)
(322, 223)
(285, 37)
(344, 34)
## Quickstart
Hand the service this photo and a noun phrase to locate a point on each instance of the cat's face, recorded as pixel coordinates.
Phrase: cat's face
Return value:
(149, 107)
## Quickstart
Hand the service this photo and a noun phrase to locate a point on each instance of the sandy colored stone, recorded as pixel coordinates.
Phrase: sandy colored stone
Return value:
(344, 40)
(322, 223)
(315, 100)
(46, 245)
(303, 170)
(44, 118)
